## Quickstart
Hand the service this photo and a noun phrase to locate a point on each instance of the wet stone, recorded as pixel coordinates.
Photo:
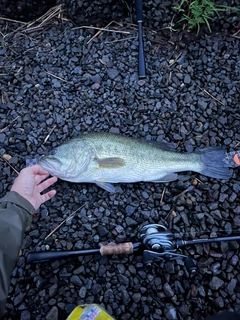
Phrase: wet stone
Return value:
(108, 295)
(216, 283)
(103, 231)
(231, 286)
(19, 298)
(168, 290)
(96, 289)
(130, 222)
(170, 312)
(69, 308)
(130, 210)
(136, 297)
(184, 310)
(25, 315)
(187, 79)
(125, 295)
(112, 73)
(53, 290)
(123, 279)
(235, 260)
(2, 137)
(41, 283)
(101, 270)
(218, 302)
(82, 292)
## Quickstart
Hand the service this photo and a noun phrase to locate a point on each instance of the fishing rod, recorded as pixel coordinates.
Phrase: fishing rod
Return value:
(156, 243)
(141, 57)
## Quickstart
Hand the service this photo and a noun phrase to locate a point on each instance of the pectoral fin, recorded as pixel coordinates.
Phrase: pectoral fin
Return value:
(167, 178)
(106, 186)
(111, 163)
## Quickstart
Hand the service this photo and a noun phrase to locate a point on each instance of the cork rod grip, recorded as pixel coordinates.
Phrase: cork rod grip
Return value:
(121, 248)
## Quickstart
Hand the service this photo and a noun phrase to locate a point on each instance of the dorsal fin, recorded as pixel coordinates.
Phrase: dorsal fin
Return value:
(162, 144)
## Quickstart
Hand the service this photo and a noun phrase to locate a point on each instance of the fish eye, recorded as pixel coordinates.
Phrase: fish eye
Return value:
(53, 152)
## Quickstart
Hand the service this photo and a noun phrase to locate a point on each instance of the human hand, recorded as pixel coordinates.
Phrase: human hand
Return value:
(29, 184)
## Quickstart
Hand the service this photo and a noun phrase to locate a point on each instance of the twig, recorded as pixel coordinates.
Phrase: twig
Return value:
(50, 74)
(162, 194)
(46, 17)
(46, 139)
(170, 212)
(6, 19)
(10, 165)
(199, 181)
(118, 40)
(101, 29)
(9, 124)
(190, 188)
(172, 61)
(238, 144)
(30, 26)
(65, 220)
(91, 27)
(205, 91)
(235, 35)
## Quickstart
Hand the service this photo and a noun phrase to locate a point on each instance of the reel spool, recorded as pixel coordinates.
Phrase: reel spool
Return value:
(157, 237)
(160, 245)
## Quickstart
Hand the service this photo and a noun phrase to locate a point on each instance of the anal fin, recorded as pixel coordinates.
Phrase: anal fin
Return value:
(167, 178)
(106, 186)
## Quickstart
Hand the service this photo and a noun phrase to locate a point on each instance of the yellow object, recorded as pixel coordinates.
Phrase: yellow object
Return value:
(89, 312)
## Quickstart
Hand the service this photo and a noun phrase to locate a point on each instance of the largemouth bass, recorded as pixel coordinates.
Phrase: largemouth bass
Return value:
(106, 158)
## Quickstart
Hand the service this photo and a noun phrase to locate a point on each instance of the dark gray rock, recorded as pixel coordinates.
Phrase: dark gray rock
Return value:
(170, 312)
(216, 283)
(112, 73)
(53, 290)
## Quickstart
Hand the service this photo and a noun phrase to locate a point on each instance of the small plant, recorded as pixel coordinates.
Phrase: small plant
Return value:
(126, 5)
(199, 12)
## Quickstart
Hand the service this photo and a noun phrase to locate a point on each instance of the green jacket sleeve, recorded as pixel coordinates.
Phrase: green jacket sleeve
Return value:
(15, 216)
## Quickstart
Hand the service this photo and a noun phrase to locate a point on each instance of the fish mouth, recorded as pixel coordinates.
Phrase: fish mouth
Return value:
(52, 168)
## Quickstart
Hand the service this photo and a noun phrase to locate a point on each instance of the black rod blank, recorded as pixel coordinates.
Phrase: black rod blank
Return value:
(181, 243)
(141, 56)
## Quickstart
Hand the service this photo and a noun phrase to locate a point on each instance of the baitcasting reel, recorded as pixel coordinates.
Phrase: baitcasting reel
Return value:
(160, 245)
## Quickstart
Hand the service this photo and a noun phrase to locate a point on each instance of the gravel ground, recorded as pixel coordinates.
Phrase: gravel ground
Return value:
(58, 81)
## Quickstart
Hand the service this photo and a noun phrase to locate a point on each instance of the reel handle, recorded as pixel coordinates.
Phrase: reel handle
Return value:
(150, 256)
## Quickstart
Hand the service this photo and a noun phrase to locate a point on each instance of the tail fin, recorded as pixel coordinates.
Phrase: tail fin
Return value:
(215, 163)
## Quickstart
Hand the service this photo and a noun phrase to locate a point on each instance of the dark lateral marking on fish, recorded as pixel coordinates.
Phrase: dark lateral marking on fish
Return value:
(110, 162)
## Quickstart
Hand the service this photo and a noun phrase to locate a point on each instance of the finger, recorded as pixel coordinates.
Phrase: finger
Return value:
(36, 169)
(40, 178)
(47, 183)
(47, 196)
